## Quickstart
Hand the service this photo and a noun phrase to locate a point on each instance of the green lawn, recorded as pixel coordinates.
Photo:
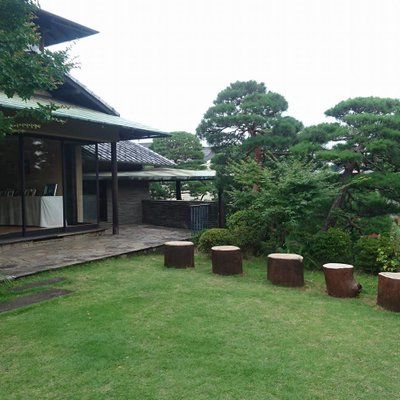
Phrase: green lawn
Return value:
(133, 329)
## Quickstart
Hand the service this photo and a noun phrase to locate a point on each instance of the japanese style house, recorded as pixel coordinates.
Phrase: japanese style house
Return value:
(42, 190)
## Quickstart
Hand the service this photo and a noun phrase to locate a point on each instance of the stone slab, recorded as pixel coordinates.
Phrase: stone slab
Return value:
(33, 285)
(32, 299)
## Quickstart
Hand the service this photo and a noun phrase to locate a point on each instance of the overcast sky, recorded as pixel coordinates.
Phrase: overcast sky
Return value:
(163, 62)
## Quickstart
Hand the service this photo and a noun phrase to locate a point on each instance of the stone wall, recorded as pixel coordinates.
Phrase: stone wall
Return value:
(175, 213)
(130, 196)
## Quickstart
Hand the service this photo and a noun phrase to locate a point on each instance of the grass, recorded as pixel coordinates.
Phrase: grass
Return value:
(133, 329)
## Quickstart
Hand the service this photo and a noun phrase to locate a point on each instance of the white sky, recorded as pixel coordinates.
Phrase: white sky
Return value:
(163, 62)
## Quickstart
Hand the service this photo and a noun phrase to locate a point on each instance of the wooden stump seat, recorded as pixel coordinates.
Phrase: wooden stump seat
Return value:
(226, 260)
(285, 269)
(179, 254)
(389, 290)
(340, 281)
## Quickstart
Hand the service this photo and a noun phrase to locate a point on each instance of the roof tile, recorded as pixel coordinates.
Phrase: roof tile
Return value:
(129, 152)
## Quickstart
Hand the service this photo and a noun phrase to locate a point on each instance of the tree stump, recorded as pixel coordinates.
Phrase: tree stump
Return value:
(179, 254)
(285, 269)
(226, 260)
(389, 290)
(340, 281)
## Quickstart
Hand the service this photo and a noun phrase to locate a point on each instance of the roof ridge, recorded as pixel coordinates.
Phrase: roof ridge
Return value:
(91, 94)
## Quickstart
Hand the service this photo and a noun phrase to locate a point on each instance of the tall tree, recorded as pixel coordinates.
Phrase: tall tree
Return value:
(183, 148)
(25, 66)
(363, 146)
(247, 113)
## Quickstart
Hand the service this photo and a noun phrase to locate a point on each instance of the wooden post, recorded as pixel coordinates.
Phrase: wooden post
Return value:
(178, 190)
(96, 152)
(64, 183)
(221, 216)
(114, 173)
(21, 141)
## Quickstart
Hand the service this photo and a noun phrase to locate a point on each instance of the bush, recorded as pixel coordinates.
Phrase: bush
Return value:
(246, 234)
(389, 252)
(333, 245)
(195, 239)
(379, 224)
(215, 237)
(366, 253)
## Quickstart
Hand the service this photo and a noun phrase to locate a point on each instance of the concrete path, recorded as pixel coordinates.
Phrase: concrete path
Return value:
(23, 259)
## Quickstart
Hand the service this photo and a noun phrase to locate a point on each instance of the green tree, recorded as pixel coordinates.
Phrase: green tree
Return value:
(290, 202)
(185, 150)
(363, 146)
(25, 67)
(247, 114)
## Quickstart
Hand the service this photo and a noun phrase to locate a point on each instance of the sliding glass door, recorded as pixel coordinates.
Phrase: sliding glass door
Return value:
(42, 189)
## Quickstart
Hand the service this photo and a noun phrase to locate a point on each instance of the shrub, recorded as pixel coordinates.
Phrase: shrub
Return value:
(389, 252)
(333, 245)
(215, 237)
(196, 237)
(246, 233)
(388, 259)
(379, 224)
(366, 253)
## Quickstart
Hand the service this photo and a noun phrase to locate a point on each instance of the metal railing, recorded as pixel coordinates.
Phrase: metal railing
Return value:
(198, 218)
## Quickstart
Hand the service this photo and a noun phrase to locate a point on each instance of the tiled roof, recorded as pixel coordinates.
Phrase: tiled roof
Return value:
(129, 152)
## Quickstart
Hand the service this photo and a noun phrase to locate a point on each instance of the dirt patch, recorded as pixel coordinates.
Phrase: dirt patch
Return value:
(32, 299)
(37, 284)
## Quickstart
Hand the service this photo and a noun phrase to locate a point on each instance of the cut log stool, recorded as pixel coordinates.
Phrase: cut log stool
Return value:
(226, 260)
(340, 281)
(389, 290)
(285, 269)
(179, 254)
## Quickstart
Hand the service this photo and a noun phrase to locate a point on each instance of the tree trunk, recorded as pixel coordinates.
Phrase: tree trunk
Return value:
(340, 281)
(285, 269)
(389, 290)
(258, 159)
(340, 199)
(226, 260)
(258, 155)
(179, 254)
